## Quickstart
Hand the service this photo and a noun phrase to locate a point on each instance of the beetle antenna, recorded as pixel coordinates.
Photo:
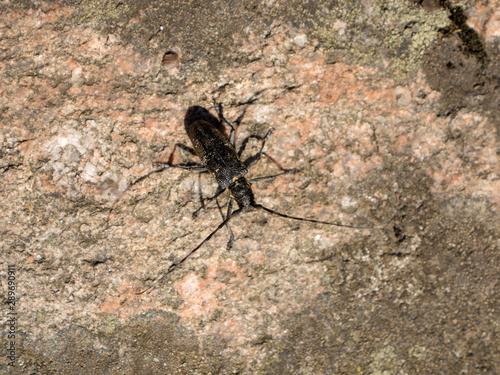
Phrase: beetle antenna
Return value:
(174, 266)
(259, 206)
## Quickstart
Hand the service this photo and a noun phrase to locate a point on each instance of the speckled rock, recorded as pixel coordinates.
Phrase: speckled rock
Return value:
(389, 110)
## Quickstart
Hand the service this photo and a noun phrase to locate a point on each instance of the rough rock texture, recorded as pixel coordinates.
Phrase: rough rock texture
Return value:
(389, 109)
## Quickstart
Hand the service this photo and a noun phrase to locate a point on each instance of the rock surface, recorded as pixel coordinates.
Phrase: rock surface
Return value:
(389, 109)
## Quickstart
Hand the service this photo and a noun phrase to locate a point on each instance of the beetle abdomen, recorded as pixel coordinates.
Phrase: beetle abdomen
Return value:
(216, 153)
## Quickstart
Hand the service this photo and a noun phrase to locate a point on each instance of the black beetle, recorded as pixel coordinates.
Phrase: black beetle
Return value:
(220, 158)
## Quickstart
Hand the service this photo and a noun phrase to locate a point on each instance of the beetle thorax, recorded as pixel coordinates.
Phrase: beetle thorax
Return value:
(241, 191)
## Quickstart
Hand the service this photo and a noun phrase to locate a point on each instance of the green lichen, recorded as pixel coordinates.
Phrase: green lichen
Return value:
(96, 11)
(408, 44)
(418, 351)
(384, 362)
(109, 323)
(396, 31)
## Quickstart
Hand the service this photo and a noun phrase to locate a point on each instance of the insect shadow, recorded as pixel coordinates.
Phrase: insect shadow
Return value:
(220, 157)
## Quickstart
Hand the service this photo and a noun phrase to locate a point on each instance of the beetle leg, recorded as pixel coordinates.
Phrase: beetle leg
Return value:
(190, 166)
(200, 193)
(174, 266)
(291, 170)
(185, 148)
(207, 200)
(228, 214)
(244, 143)
(161, 166)
(170, 159)
(193, 166)
(222, 120)
(249, 162)
(269, 178)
